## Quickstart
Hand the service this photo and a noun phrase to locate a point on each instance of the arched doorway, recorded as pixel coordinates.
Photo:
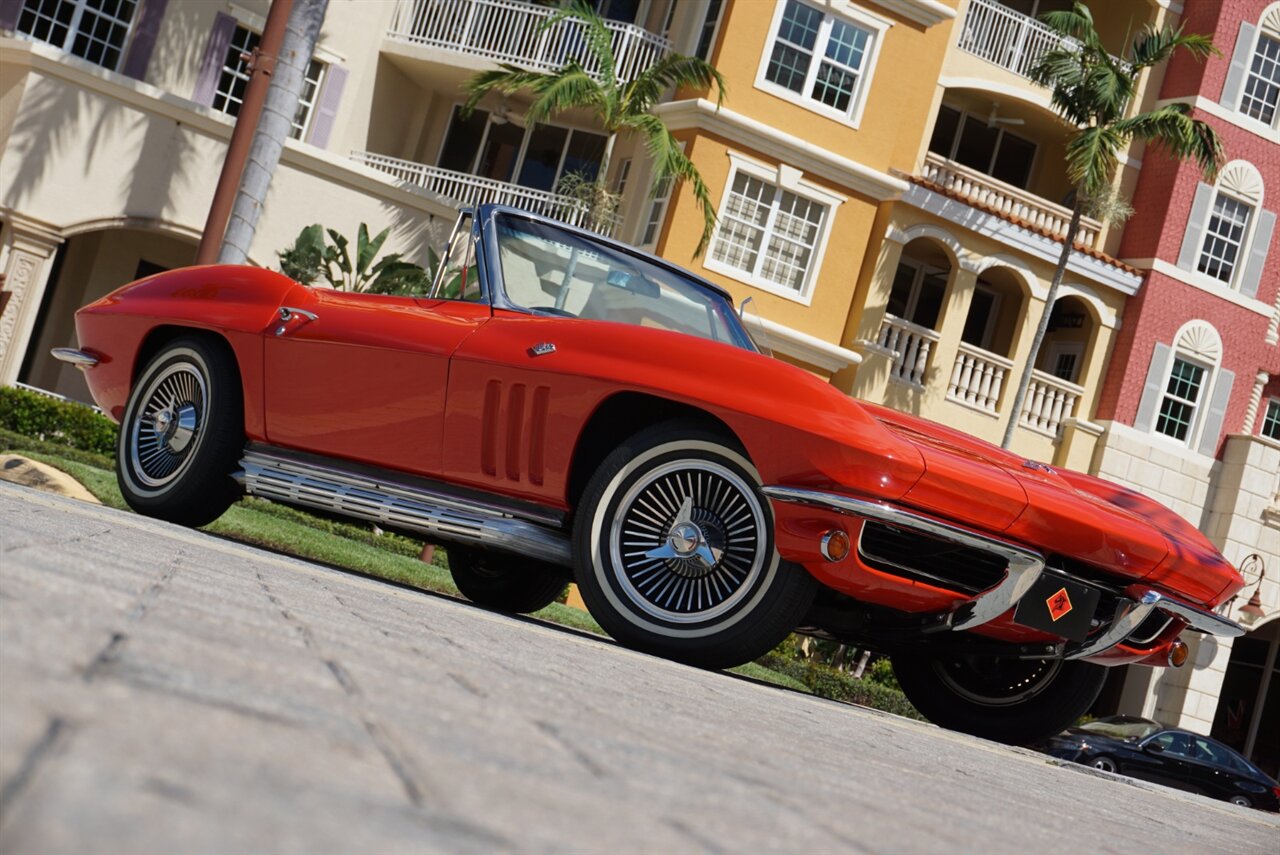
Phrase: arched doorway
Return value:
(1248, 716)
(984, 364)
(88, 266)
(915, 308)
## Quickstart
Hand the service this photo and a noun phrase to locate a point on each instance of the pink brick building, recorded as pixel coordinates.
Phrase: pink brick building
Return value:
(1190, 404)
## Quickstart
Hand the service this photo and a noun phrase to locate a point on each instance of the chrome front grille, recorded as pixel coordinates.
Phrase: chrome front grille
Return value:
(913, 555)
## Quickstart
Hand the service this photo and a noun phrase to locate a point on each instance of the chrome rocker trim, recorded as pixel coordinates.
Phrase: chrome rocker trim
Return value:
(1024, 565)
(78, 358)
(436, 514)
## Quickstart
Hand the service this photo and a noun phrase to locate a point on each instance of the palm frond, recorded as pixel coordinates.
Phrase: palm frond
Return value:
(1091, 158)
(1075, 23)
(670, 162)
(578, 20)
(569, 88)
(1172, 127)
(506, 79)
(1153, 46)
(676, 70)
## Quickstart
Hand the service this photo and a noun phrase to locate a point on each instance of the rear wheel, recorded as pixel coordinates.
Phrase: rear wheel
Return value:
(673, 549)
(1016, 701)
(183, 433)
(1243, 801)
(505, 583)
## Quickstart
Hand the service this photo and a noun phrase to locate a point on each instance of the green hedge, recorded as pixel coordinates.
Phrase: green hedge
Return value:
(63, 422)
(828, 682)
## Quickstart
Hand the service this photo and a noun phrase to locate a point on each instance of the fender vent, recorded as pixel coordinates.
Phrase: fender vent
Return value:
(912, 555)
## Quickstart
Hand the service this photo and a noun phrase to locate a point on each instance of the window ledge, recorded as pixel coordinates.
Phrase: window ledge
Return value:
(1198, 280)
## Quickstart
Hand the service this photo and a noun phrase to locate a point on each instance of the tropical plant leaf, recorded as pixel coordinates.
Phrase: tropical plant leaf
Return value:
(368, 249)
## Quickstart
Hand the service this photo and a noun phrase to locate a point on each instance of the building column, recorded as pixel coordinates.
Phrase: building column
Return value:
(862, 328)
(1021, 358)
(955, 310)
(1255, 401)
(27, 259)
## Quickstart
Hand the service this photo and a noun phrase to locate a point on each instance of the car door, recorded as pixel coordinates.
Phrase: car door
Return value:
(364, 376)
(1163, 759)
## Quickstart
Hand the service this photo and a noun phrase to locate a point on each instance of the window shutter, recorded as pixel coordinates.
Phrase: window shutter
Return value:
(215, 55)
(145, 30)
(1194, 234)
(1156, 375)
(9, 12)
(335, 78)
(1239, 65)
(1258, 254)
(1217, 409)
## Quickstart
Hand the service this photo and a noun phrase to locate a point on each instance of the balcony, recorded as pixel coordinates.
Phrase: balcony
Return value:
(1007, 200)
(509, 31)
(1049, 401)
(464, 191)
(1006, 37)
(977, 378)
(911, 345)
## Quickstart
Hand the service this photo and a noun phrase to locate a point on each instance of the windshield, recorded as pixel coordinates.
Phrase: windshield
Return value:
(1121, 729)
(549, 270)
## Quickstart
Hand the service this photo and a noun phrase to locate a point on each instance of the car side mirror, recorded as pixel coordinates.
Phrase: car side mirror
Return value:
(636, 283)
(1153, 748)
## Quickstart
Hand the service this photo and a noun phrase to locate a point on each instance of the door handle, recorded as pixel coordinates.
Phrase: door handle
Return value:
(288, 313)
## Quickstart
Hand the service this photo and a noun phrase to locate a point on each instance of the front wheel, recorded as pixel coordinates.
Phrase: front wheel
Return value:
(505, 583)
(673, 549)
(1104, 764)
(1016, 701)
(183, 433)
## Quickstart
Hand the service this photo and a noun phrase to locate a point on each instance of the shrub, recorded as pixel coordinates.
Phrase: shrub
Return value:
(63, 422)
(828, 682)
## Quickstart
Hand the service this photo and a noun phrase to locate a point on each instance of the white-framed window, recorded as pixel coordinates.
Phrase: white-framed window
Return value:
(1224, 238)
(709, 30)
(1271, 420)
(1065, 358)
(772, 229)
(1261, 98)
(917, 293)
(657, 212)
(234, 79)
(822, 59)
(95, 30)
(1182, 398)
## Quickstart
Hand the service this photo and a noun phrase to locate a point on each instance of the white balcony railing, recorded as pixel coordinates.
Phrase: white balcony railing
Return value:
(911, 345)
(977, 378)
(464, 190)
(511, 31)
(1006, 37)
(1049, 401)
(1007, 199)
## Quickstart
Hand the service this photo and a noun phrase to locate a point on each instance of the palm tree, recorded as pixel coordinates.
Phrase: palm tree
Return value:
(620, 107)
(1092, 90)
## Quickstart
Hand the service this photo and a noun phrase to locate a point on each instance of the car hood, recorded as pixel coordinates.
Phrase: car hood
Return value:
(1059, 511)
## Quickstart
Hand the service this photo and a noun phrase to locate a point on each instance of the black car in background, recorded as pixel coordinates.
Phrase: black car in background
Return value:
(1145, 749)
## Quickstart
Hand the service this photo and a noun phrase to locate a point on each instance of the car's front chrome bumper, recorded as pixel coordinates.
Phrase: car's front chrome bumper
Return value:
(1023, 567)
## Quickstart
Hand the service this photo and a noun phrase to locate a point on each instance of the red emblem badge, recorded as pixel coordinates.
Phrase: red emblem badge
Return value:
(1059, 605)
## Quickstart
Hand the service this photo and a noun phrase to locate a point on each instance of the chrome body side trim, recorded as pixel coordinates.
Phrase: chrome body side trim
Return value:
(78, 358)
(398, 506)
(1024, 565)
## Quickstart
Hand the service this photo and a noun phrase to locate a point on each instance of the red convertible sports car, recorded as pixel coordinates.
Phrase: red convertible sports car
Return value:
(564, 407)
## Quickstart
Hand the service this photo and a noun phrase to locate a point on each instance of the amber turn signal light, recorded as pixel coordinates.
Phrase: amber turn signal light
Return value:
(1178, 653)
(835, 545)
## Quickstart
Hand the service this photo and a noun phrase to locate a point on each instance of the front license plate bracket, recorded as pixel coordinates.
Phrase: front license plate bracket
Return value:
(1058, 606)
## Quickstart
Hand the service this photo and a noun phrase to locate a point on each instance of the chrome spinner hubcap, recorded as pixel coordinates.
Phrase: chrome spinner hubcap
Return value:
(686, 541)
(166, 425)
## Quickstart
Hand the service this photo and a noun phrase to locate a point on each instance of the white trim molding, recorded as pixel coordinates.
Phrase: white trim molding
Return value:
(1199, 280)
(802, 346)
(926, 12)
(1016, 237)
(701, 114)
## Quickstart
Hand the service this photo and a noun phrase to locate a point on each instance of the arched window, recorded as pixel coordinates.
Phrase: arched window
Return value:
(1187, 389)
(1229, 233)
(1253, 81)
